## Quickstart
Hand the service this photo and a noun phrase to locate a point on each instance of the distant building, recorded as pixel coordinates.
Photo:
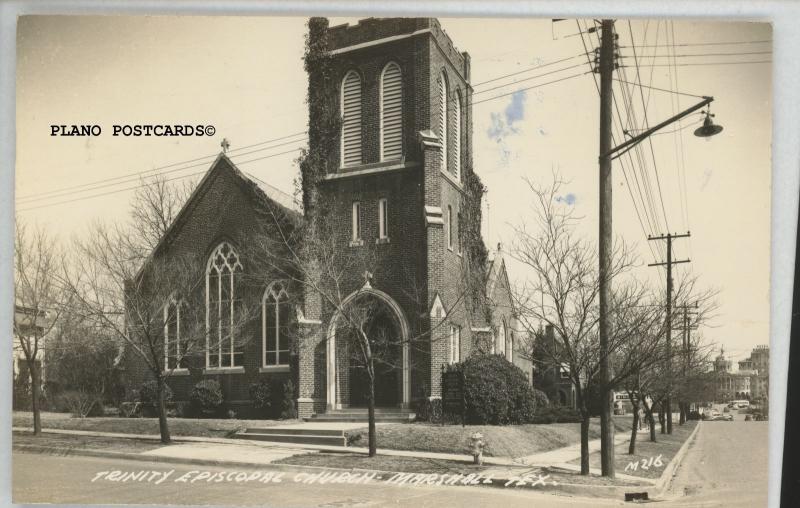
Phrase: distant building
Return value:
(758, 366)
(732, 385)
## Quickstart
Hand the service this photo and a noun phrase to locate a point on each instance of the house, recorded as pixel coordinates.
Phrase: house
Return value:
(551, 376)
(30, 331)
(396, 182)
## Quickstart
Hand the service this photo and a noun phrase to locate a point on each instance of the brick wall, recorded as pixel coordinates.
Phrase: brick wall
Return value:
(226, 207)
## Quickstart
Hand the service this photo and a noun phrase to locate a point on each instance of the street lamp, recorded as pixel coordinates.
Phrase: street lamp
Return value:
(709, 128)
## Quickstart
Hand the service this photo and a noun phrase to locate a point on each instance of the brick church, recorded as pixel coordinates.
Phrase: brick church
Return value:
(389, 165)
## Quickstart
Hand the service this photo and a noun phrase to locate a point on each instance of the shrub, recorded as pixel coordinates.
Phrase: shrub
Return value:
(261, 395)
(207, 396)
(288, 410)
(496, 391)
(81, 403)
(556, 414)
(541, 398)
(148, 393)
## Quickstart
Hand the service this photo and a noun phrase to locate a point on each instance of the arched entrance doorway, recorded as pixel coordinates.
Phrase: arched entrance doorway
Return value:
(386, 327)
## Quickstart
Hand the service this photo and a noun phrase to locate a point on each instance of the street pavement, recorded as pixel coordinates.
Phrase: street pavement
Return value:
(727, 465)
(53, 479)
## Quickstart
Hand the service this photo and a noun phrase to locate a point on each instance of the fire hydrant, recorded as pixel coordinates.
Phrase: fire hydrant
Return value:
(477, 444)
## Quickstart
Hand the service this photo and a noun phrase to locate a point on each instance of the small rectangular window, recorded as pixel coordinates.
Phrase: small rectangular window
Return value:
(458, 225)
(356, 221)
(455, 344)
(449, 227)
(383, 218)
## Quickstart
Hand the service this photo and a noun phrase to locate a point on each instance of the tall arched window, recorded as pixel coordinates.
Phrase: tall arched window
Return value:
(222, 274)
(501, 339)
(510, 347)
(391, 111)
(275, 318)
(351, 119)
(443, 134)
(457, 136)
(175, 347)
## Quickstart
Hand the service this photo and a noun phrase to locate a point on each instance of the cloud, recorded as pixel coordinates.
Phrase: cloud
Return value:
(569, 199)
(503, 123)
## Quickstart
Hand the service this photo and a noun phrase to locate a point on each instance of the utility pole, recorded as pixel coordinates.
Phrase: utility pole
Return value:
(687, 353)
(606, 65)
(669, 237)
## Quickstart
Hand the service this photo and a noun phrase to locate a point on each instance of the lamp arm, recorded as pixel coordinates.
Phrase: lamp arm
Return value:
(640, 137)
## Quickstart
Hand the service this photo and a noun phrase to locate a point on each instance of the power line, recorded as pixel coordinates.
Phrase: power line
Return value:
(706, 54)
(34, 197)
(703, 63)
(528, 79)
(702, 44)
(145, 184)
(98, 185)
(657, 88)
(650, 140)
(530, 88)
(525, 70)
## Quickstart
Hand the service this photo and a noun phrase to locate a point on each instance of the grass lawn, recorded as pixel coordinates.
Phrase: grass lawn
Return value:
(177, 426)
(640, 463)
(66, 443)
(381, 463)
(502, 441)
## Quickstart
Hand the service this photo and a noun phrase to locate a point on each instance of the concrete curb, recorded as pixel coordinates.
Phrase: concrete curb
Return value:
(300, 447)
(663, 482)
(563, 489)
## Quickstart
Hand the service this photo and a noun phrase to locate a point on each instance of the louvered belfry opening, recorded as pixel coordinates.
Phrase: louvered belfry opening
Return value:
(457, 136)
(443, 134)
(391, 112)
(351, 119)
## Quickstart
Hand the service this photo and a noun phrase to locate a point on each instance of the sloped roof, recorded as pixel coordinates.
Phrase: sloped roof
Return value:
(497, 271)
(259, 190)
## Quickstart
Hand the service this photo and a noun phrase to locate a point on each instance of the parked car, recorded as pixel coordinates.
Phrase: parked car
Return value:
(718, 417)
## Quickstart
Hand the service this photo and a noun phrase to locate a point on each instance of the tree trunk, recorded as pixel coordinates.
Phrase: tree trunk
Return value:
(35, 390)
(652, 422)
(373, 439)
(162, 411)
(584, 441)
(682, 409)
(662, 417)
(634, 430)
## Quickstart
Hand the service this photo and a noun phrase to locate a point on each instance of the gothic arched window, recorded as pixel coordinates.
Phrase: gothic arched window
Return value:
(457, 136)
(443, 120)
(275, 320)
(501, 339)
(175, 346)
(222, 274)
(391, 111)
(351, 119)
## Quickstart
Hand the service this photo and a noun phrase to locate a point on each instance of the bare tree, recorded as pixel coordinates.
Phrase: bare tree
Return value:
(562, 292)
(39, 301)
(155, 205)
(155, 305)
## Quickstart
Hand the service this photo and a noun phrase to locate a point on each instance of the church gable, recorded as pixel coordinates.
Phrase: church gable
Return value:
(224, 205)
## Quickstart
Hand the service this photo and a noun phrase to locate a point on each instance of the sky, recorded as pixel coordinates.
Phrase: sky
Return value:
(244, 76)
